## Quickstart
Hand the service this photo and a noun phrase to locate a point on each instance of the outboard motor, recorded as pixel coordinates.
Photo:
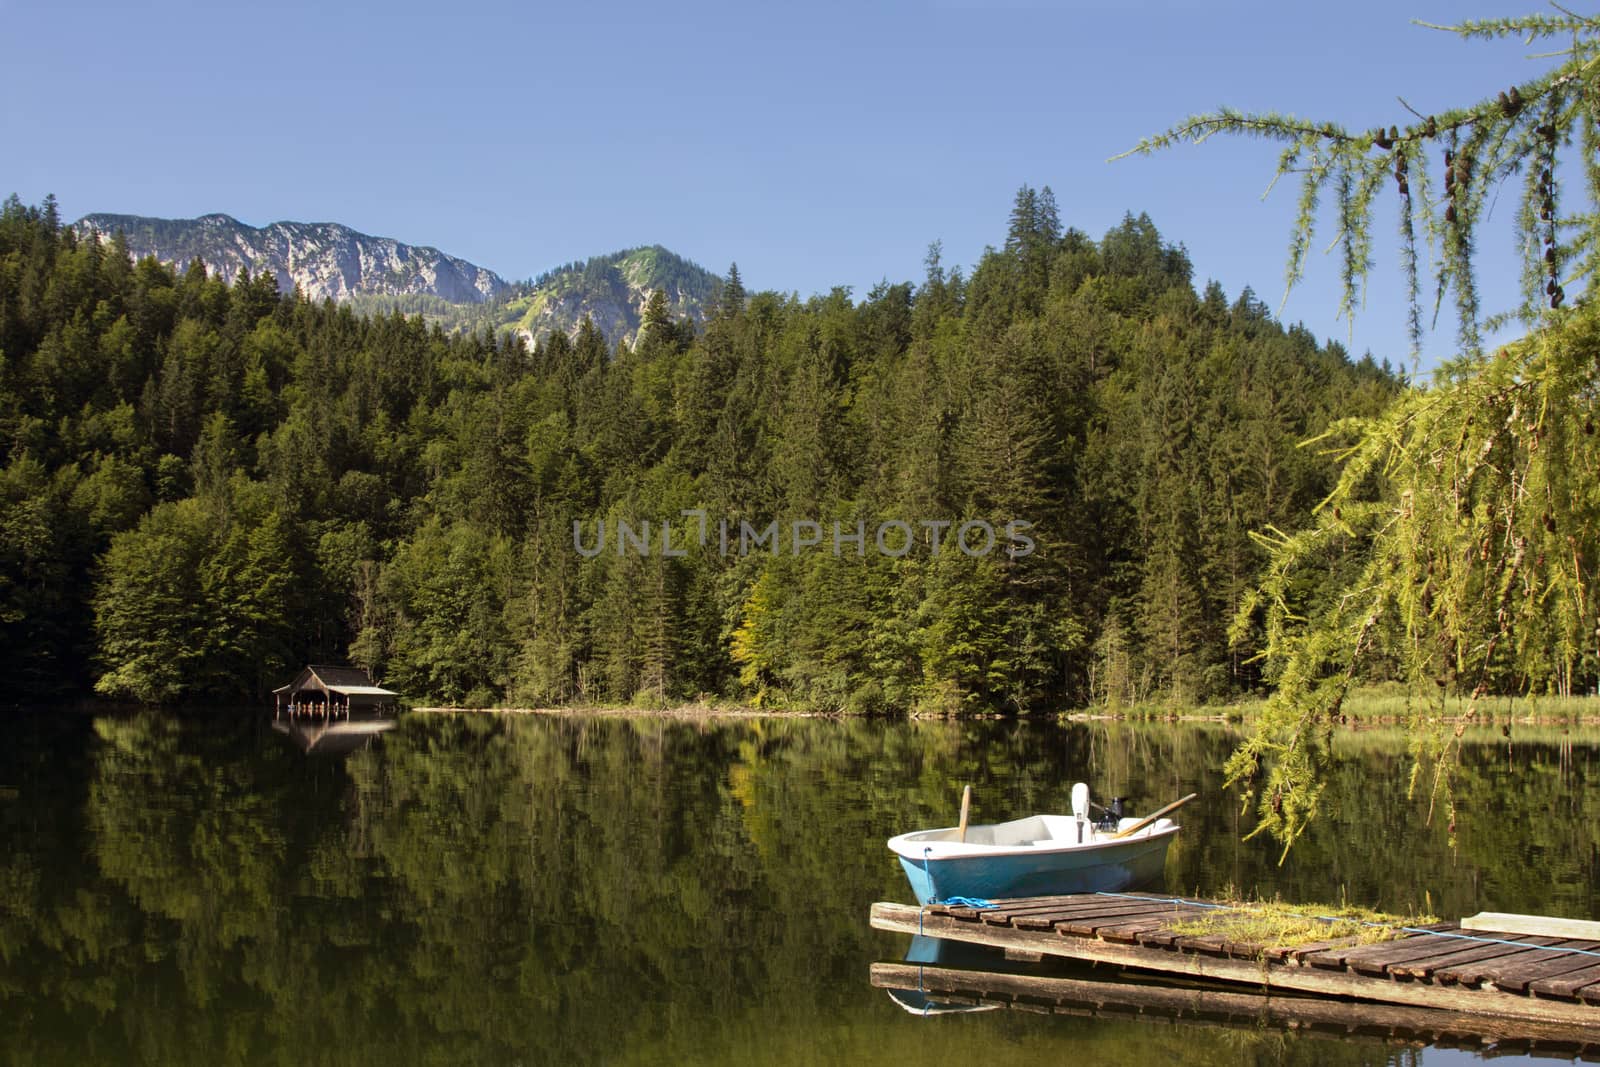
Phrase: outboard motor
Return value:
(1080, 808)
(1111, 817)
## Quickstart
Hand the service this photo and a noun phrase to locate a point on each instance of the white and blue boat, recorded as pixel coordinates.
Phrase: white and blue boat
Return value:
(1042, 855)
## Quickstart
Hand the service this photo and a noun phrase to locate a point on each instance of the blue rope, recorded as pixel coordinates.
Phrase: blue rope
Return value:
(1414, 930)
(1490, 940)
(1167, 900)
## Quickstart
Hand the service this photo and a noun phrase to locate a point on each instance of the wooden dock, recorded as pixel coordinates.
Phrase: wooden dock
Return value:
(1512, 976)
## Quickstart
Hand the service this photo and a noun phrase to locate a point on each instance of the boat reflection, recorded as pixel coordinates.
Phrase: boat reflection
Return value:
(942, 955)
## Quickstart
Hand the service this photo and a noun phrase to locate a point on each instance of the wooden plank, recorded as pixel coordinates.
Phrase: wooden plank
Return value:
(1488, 956)
(1011, 908)
(1509, 924)
(1568, 984)
(1379, 958)
(1086, 997)
(1160, 938)
(1426, 955)
(1373, 956)
(1373, 959)
(1129, 915)
(1094, 904)
(1090, 925)
(1000, 915)
(1333, 957)
(1210, 946)
(1478, 972)
(1300, 954)
(906, 919)
(1047, 920)
(1514, 977)
(1137, 931)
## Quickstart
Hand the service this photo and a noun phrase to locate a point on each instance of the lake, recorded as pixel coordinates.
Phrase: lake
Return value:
(479, 889)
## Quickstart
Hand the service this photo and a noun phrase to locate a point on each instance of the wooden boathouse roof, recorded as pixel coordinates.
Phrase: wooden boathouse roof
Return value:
(346, 681)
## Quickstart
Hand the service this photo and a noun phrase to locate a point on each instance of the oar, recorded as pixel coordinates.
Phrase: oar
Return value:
(1148, 819)
(966, 805)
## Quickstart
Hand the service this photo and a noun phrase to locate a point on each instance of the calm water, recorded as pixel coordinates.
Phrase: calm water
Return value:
(478, 890)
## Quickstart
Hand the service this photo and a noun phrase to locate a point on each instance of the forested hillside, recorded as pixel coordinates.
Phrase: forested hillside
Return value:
(206, 482)
(612, 290)
(379, 275)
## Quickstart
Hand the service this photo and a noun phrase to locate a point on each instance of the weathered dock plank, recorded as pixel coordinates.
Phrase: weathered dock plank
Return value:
(1336, 957)
(1090, 925)
(1389, 957)
(1568, 984)
(1301, 954)
(1007, 913)
(1514, 975)
(1409, 972)
(1491, 957)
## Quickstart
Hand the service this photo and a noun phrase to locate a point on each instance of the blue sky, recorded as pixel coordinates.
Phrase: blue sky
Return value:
(815, 144)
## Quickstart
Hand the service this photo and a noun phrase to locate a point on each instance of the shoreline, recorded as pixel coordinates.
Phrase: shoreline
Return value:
(1230, 716)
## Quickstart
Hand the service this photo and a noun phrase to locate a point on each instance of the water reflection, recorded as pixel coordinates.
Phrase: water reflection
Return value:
(487, 889)
(1084, 991)
(331, 737)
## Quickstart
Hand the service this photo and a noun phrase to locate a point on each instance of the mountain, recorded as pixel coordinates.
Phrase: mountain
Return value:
(324, 258)
(379, 274)
(613, 290)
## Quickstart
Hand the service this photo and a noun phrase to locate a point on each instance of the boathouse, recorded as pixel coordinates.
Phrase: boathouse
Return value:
(329, 691)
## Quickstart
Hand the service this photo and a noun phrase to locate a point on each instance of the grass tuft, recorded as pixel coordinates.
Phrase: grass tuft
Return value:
(1274, 924)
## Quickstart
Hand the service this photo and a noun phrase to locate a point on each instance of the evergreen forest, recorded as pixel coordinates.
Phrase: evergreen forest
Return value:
(206, 483)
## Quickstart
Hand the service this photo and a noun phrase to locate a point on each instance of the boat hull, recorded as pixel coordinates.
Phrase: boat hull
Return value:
(1105, 867)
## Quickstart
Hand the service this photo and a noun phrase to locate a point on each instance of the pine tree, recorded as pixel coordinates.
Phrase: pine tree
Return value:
(1024, 225)
(1048, 221)
(733, 294)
